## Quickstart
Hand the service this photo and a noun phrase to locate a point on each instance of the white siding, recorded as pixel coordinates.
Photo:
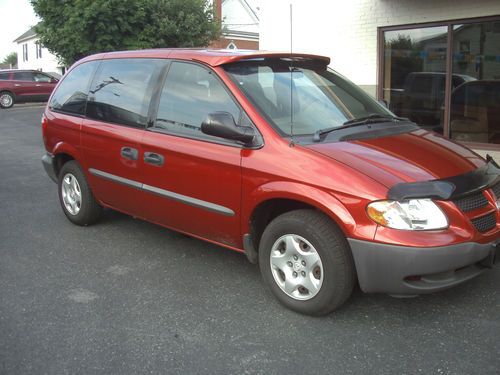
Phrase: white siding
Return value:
(346, 31)
(47, 63)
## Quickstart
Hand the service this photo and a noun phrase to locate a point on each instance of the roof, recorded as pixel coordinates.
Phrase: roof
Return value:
(27, 35)
(212, 57)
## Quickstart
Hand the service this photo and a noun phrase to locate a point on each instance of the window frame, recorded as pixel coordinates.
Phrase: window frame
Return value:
(448, 64)
(155, 104)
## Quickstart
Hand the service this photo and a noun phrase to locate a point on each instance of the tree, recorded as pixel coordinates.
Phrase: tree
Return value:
(73, 29)
(11, 59)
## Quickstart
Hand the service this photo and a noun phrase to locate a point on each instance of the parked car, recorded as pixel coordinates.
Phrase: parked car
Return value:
(422, 97)
(278, 157)
(18, 86)
(475, 112)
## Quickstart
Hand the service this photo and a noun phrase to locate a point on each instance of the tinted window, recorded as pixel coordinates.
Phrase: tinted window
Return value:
(23, 76)
(71, 94)
(121, 91)
(190, 93)
(4, 77)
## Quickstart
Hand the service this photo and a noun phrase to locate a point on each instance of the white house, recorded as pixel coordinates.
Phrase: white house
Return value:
(32, 55)
(382, 45)
(240, 20)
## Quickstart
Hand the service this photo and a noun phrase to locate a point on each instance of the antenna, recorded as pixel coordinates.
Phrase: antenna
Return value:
(291, 78)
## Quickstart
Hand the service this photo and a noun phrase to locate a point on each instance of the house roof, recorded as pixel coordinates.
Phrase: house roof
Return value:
(27, 35)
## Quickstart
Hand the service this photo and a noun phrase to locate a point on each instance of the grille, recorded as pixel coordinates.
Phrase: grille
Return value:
(472, 202)
(485, 223)
(496, 190)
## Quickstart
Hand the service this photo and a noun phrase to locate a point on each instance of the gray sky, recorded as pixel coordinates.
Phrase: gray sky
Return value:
(16, 17)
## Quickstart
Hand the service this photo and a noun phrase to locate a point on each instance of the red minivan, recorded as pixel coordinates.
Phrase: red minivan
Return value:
(20, 86)
(276, 156)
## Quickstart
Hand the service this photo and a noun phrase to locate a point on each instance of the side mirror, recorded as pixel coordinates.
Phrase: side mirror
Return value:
(221, 124)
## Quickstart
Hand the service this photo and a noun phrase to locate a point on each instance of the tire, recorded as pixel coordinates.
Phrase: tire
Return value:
(321, 277)
(76, 198)
(6, 99)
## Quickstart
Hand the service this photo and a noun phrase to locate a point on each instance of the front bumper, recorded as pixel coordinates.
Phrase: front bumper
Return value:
(48, 165)
(402, 270)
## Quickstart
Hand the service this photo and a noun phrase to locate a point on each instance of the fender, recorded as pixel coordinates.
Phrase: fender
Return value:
(65, 148)
(310, 195)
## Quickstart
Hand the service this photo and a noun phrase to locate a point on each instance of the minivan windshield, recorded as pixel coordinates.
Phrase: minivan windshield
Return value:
(303, 92)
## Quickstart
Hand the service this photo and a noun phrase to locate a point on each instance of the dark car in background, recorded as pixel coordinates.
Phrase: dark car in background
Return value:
(422, 97)
(19, 86)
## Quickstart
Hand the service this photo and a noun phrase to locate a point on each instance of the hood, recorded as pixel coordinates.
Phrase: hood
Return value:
(417, 156)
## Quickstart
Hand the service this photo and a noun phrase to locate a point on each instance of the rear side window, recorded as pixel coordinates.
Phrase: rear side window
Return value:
(121, 91)
(23, 76)
(4, 76)
(71, 95)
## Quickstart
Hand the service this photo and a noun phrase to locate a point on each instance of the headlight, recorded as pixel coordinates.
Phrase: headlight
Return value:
(412, 214)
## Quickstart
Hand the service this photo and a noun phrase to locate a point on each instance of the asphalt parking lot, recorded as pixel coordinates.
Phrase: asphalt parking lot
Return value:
(127, 297)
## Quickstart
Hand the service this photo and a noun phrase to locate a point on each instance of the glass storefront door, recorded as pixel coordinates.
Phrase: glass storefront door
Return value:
(475, 105)
(445, 78)
(415, 66)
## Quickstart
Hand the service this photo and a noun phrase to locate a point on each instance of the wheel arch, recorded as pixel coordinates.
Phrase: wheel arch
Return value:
(272, 200)
(63, 152)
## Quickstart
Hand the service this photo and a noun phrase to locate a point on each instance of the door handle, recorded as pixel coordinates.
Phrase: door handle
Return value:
(17, 84)
(38, 85)
(129, 153)
(153, 158)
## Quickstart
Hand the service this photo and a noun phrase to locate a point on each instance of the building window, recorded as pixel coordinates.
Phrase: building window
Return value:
(25, 52)
(38, 48)
(445, 77)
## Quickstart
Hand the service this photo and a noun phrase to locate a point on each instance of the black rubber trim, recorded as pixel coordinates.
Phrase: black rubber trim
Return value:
(250, 252)
(209, 206)
(448, 188)
(48, 165)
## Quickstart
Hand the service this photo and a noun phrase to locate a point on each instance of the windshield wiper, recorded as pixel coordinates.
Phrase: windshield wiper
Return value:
(372, 118)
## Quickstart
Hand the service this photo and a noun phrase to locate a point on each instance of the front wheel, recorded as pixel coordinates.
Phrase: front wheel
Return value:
(306, 262)
(6, 99)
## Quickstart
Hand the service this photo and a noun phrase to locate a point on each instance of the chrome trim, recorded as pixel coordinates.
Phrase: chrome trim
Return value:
(165, 193)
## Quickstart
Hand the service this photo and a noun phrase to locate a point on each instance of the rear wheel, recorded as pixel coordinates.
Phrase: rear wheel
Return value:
(77, 200)
(6, 99)
(306, 262)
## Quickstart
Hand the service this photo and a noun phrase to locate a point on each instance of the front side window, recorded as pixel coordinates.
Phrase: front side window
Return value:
(189, 94)
(71, 94)
(39, 77)
(4, 77)
(121, 91)
(302, 94)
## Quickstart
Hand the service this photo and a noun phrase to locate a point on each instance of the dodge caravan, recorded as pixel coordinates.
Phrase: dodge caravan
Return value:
(278, 157)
